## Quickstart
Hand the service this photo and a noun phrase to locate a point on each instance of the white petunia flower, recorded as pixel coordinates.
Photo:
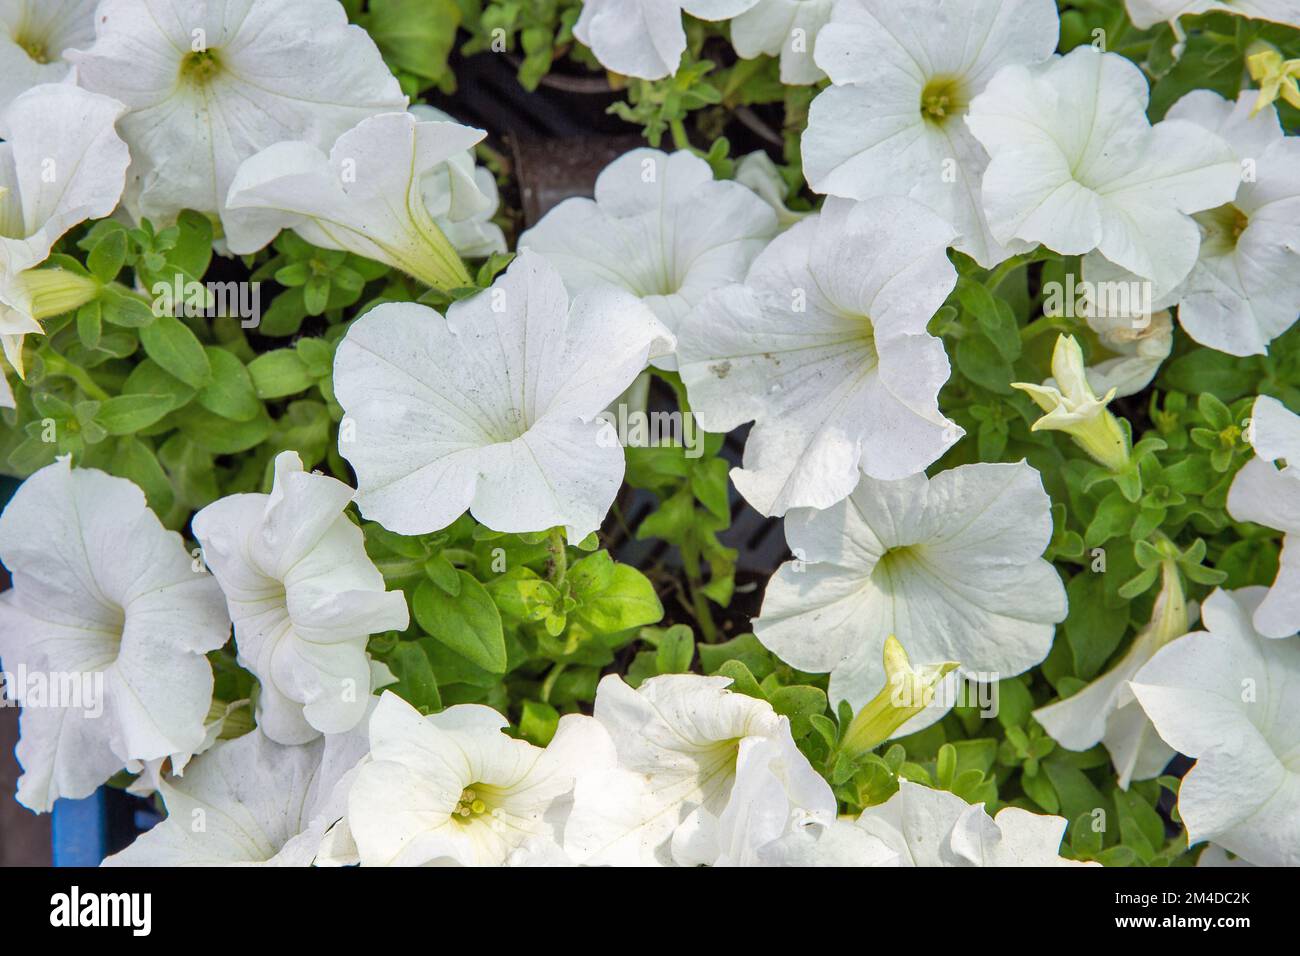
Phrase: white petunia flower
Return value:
(904, 75)
(1244, 290)
(1077, 166)
(110, 620)
(33, 36)
(494, 408)
(251, 802)
(952, 566)
(304, 597)
(451, 788)
(785, 28)
(928, 827)
(660, 227)
(677, 743)
(383, 192)
(61, 163)
(209, 83)
(1147, 13)
(1106, 711)
(1230, 698)
(825, 348)
(1267, 494)
(645, 38)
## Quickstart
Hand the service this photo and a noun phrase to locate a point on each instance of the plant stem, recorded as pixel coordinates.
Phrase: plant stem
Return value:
(56, 364)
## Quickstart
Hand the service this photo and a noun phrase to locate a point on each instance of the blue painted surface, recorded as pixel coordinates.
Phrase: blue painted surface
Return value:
(80, 830)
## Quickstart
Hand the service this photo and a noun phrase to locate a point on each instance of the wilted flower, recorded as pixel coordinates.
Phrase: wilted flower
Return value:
(1077, 166)
(122, 629)
(904, 75)
(660, 227)
(494, 408)
(1267, 491)
(1230, 698)
(381, 192)
(33, 36)
(952, 566)
(1138, 350)
(825, 348)
(208, 85)
(304, 597)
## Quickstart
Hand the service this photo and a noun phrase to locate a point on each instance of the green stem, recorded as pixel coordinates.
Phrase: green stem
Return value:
(552, 676)
(680, 139)
(398, 568)
(1044, 325)
(56, 364)
(695, 584)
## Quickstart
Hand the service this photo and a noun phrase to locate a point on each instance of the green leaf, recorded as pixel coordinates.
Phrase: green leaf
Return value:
(538, 722)
(744, 648)
(170, 343)
(676, 650)
(230, 394)
(414, 35)
(108, 257)
(469, 623)
(709, 484)
(279, 373)
(1096, 622)
(416, 682)
(521, 594)
(443, 573)
(626, 600)
(127, 414)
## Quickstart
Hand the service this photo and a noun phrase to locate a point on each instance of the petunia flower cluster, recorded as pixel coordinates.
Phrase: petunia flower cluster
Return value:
(948, 146)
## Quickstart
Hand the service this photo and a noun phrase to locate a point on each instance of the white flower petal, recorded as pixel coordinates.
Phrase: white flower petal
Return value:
(138, 619)
(1114, 183)
(304, 597)
(961, 579)
(660, 227)
(1231, 699)
(493, 409)
(825, 348)
(210, 84)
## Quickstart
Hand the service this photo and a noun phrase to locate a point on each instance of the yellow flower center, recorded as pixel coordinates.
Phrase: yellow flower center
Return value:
(1221, 228)
(200, 66)
(34, 47)
(469, 806)
(942, 99)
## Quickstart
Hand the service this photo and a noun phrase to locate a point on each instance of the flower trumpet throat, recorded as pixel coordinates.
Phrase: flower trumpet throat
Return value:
(906, 693)
(1072, 407)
